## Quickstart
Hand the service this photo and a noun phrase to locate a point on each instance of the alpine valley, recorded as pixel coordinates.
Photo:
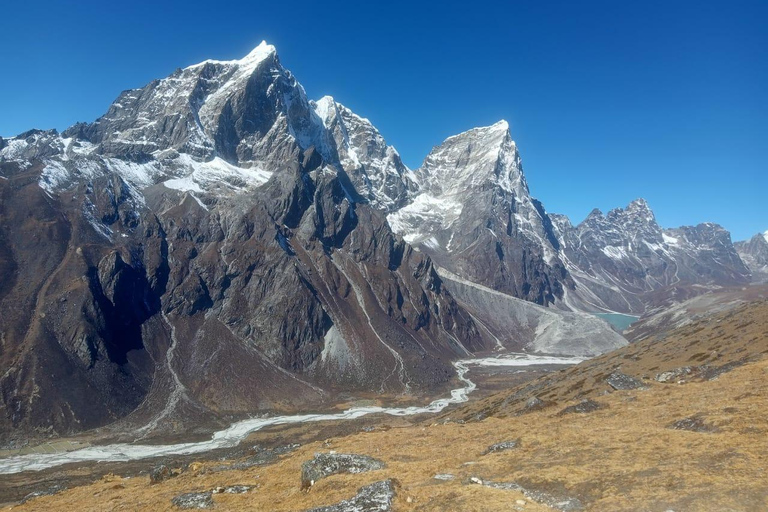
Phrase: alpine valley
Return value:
(218, 245)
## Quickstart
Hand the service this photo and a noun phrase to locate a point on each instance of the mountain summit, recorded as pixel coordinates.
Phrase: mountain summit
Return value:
(474, 215)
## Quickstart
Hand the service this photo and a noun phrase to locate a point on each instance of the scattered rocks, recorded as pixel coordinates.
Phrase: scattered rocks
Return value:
(159, 474)
(534, 404)
(55, 489)
(475, 480)
(557, 502)
(444, 476)
(694, 424)
(674, 375)
(324, 465)
(621, 381)
(500, 447)
(583, 407)
(256, 456)
(713, 372)
(232, 489)
(237, 489)
(194, 500)
(376, 497)
(704, 372)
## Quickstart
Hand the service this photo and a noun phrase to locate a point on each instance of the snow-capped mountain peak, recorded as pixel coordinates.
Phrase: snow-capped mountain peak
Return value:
(475, 158)
(250, 61)
(474, 215)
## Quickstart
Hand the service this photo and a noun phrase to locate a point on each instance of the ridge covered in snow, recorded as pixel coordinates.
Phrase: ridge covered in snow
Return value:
(220, 128)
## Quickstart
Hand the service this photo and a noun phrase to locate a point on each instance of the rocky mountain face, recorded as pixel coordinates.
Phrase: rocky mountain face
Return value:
(375, 168)
(473, 214)
(624, 261)
(218, 244)
(754, 254)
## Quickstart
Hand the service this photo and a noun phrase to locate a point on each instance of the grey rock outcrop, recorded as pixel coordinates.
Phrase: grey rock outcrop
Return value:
(694, 424)
(194, 500)
(159, 474)
(502, 446)
(376, 497)
(326, 464)
(583, 407)
(621, 381)
(555, 501)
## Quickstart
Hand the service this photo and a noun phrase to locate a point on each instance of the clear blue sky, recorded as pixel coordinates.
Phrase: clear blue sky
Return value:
(608, 101)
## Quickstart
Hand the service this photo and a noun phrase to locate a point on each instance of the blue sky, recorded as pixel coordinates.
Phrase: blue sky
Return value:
(608, 101)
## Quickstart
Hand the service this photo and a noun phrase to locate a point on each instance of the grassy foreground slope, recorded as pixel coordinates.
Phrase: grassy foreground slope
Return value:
(691, 435)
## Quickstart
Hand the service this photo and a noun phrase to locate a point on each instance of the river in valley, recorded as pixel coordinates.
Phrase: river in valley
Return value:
(237, 432)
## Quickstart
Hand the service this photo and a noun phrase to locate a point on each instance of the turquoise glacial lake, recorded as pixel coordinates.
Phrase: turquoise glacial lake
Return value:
(618, 320)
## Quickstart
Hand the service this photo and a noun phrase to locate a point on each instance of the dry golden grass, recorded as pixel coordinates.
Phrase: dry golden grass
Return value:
(623, 457)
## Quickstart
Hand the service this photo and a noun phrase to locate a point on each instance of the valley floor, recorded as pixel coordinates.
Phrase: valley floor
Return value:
(693, 442)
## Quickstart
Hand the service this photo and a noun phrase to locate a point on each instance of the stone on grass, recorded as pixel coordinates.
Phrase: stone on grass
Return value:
(194, 500)
(376, 497)
(621, 381)
(324, 465)
(583, 407)
(159, 474)
(500, 447)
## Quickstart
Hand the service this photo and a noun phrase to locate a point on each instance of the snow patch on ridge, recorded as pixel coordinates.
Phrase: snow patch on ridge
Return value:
(670, 240)
(202, 176)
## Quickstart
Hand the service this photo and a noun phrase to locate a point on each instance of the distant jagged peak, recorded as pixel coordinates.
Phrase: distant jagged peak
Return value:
(596, 213)
(636, 212)
(561, 220)
(639, 205)
(634, 206)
